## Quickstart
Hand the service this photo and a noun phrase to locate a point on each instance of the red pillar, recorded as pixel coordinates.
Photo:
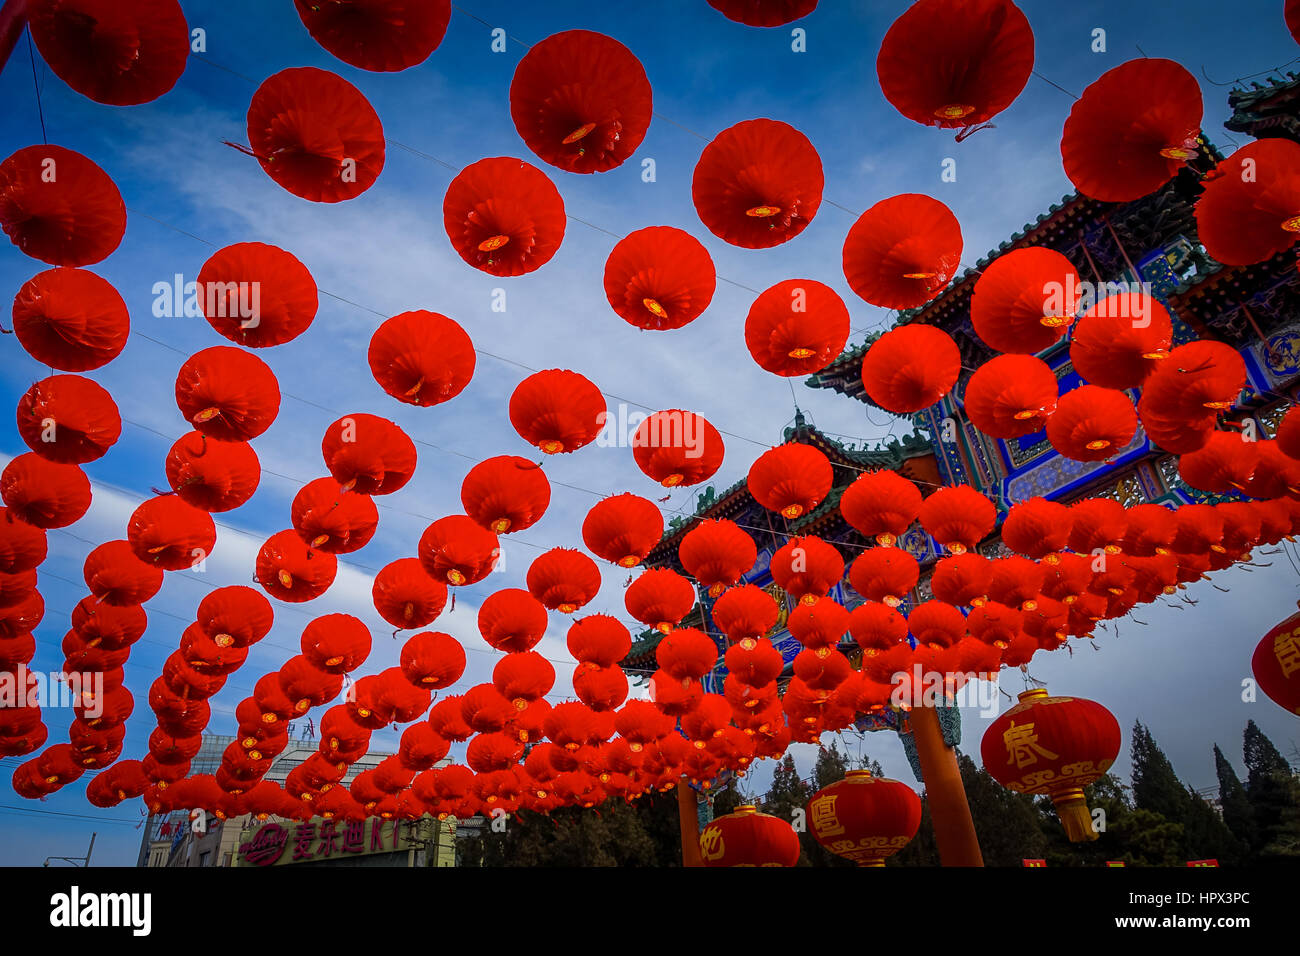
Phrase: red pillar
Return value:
(689, 820)
(954, 830)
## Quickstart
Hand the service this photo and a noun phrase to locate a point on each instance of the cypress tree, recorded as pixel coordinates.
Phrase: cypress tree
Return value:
(1206, 836)
(1238, 815)
(1155, 785)
(1274, 795)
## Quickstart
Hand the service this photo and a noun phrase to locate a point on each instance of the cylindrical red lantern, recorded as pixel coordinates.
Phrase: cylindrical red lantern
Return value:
(749, 838)
(864, 818)
(1054, 746)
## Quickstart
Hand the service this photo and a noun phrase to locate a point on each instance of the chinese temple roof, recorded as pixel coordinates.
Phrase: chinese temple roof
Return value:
(1268, 109)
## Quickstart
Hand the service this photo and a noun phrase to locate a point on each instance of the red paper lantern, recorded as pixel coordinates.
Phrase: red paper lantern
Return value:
(512, 620)
(676, 447)
(958, 517)
(405, 596)
(790, 479)
(44, 493)
(1121, 340)
(421, 358)
(384, 36)
(659, 598)
(1092, 423)
(659, 278)
(599, 639)
(717, 553)
(746, 837)
(884, 574)
(1276, 664)
(316, 134)
(227, 393)
(168, 533)
(745, 613)
(1037, 527)
(686, 653)
(1250, 209)
(58, 206)
(256, 294)
(68, 419)
(563, 579)
(864, 818)
(807, 567)
(336, 643)
(1054, 746)
(368, 454)
(331, 519)
(504, 216)
(796, 327)
(70, 319)
(290, 570)
(910, 367)
(432, 659)
(213, 475)
(880, 504)
(117, 577)
(457, 550)
(764, 13)
(119, 52)
(902, 251)
(506, 493)
(758, 184)
(1117, 147)
(1011, 396)
(1024, 300)
(956, 63)
(581, 101)
(557, 410)
(623, 529)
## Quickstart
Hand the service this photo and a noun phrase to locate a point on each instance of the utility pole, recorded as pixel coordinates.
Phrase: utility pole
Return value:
(82, 861)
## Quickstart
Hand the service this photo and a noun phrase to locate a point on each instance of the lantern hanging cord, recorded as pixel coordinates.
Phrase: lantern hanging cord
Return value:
(40, 111)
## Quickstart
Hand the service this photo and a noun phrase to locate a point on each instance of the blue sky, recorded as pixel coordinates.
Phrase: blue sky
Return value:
(386, 252)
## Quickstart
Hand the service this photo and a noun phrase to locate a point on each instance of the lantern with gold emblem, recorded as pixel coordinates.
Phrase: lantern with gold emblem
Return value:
(864, 818)
(1276, 664)
(1054, 746)
(749, 838)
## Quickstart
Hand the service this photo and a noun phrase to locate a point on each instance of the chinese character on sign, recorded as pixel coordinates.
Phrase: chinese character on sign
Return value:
(329, 838)
(1023, 747)
(1202, 862)
(1287, 650)
(1116, 863)
(354, 831)
(825, 822)
(304, 835)
(1035, 863)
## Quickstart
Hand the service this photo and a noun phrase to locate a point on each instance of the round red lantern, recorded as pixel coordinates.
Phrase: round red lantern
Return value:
(749, 838)
(1276, 664)
(1054, 746)
(864, 818)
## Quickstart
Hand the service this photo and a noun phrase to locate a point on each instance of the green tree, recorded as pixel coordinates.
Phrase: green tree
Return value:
(616, 833)
(1238, 814)
(1274, 794)
(1006, 822)
(924, 849)
(1207, 836)
(830, 767)
(1155, 785)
